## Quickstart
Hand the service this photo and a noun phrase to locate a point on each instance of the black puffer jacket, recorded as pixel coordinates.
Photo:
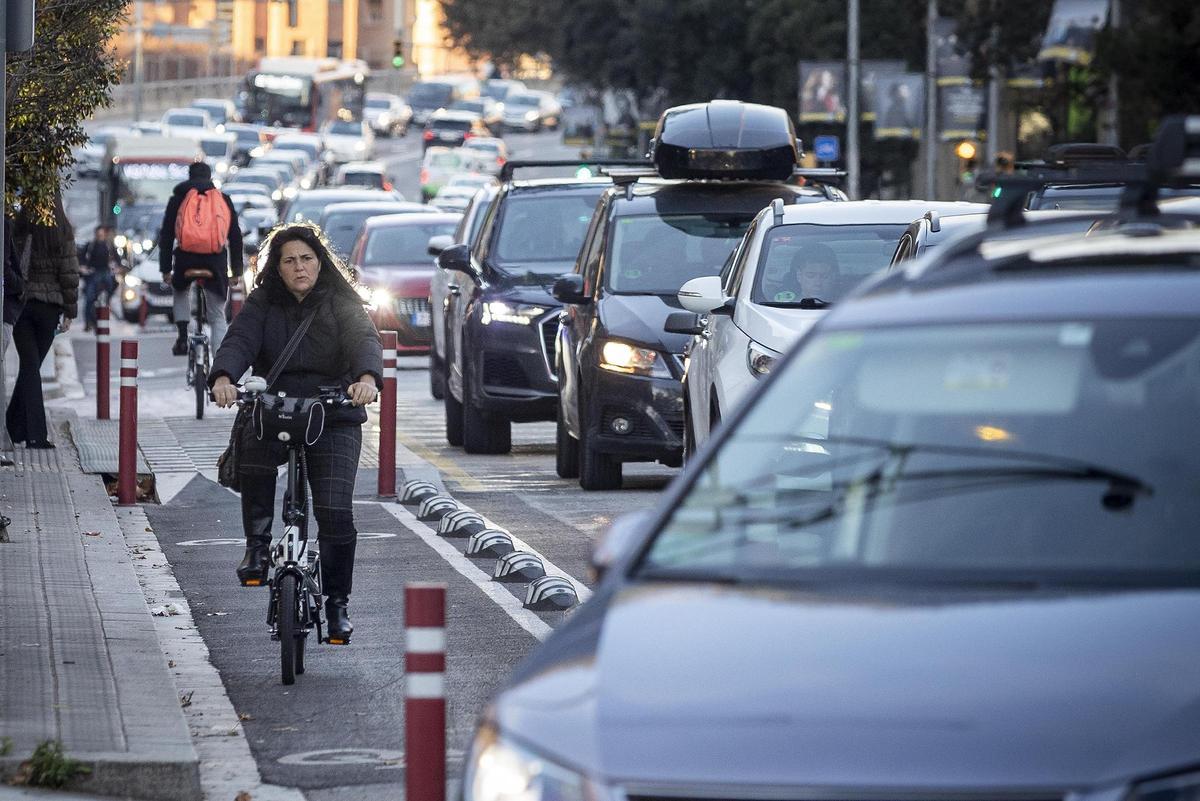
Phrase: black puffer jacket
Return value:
(53, 273)
(228, 260)
(341, 345)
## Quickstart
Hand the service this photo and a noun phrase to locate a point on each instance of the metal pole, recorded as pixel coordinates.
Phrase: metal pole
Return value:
(103, 365)
(425, 696)
(1110, 128)
(995, 78)
(127, 431)
(852, 157)
(139, 61)
(931, 143)
(387, 417)
(5, 441)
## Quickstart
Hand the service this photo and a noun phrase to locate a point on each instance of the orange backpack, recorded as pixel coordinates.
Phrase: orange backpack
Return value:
(202, 225)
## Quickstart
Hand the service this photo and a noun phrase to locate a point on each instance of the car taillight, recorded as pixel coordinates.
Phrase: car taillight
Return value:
(499, 161)
(467, 136)
(428, 136)
(424, 175)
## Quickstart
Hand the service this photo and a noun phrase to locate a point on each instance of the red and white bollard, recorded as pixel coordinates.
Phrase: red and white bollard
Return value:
(236, 298)
(424, 692)
(103, 366)
(387, 418)
(127, 452)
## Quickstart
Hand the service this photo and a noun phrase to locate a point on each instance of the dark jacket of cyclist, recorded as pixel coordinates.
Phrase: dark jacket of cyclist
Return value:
(174, 262)
(341, 348)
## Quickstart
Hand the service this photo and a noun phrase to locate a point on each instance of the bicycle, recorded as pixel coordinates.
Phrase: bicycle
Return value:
(199, 356)
(295, 606)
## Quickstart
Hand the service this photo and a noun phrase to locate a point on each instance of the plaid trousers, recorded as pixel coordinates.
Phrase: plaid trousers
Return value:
(332, 468)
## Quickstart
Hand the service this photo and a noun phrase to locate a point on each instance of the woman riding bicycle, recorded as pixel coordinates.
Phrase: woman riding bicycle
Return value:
(298, 275)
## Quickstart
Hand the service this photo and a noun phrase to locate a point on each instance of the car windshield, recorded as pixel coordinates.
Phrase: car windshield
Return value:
(345, 128)
(450, 125)
(655, 255)
(247, 137)
(403, 244)
(803, 264)
(377, 102)
(523, 100)
(215, 110)
(429, 94)
(546, 229)
(448, 159)
(342, 227)
(468, 105)
(1015, 449)
(311, 208)
(363, 179)
(186, 120)
(214, 147)
(262, 179)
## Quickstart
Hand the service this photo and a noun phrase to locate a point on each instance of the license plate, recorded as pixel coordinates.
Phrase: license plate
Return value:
(421, 319)
(448, 136)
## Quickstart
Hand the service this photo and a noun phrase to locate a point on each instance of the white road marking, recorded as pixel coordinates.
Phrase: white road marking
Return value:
(497, 592)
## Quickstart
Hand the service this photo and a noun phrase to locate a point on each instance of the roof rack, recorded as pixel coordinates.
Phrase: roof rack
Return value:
(506, 172)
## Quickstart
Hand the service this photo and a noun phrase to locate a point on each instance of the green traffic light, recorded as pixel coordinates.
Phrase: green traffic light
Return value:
(397, 61)
(117, 209)
(996, 192)
(583, 172)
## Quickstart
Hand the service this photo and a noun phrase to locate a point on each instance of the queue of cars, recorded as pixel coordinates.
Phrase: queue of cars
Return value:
(942, 548)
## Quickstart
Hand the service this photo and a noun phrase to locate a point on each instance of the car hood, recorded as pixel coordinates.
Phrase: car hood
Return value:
(406, 280)
(776, 328)
(697, 685)
(640, 318)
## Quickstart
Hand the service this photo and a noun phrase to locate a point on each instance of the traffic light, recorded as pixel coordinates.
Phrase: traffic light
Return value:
(967, 152)
(397, 53)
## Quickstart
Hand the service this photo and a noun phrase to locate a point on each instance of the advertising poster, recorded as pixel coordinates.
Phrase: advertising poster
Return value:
(899, 105)
(953, 64)
(822, 91)
(1071, 35)
(869, 72)
(962, 110)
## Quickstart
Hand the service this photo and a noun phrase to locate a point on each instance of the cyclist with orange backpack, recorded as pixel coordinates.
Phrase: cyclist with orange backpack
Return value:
(201, 235)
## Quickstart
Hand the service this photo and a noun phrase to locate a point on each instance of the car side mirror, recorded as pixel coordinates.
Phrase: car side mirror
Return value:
(683, 323)
(702, 295)
(618, 542)
(569, 289)
(456, 258)
(439, 243)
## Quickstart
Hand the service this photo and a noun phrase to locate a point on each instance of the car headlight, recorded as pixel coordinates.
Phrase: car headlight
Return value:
(276, 195)
(1183, 787)
(120, 241)
(147, 244)
(499, 770)
(497, 311)
(531, 115)
(621, 357)
(255, 152)
(290, 192)
(129, 295)
(760, 360)
(137, 248)
(380, 298)
(132, 280)
(306, 183)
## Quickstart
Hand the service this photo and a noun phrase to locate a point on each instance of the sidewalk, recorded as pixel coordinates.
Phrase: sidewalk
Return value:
(80, 661)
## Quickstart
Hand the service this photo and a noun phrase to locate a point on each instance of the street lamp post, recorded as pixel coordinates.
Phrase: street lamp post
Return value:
(931, 16)
(852, 64)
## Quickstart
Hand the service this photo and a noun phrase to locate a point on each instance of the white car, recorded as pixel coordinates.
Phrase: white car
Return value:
(793, 262)
(387, 114)
(492, 149)
(185, 121)
(348, 140)
(454, 198)
(440, 164)
(373, 174)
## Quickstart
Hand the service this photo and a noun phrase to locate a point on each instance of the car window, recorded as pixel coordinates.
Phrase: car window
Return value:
(445, 160)
(345, 128)
(657, 254)
(732, 282)
(363, 179)
(1026, 449)
(377, 102)
(542, 229)
(402, 244)
(904, 250)
(803, 262)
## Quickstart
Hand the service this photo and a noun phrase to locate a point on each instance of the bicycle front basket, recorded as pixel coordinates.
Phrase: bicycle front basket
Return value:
(289, 419)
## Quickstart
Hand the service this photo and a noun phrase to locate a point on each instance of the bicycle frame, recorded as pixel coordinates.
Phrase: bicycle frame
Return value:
(290, 554)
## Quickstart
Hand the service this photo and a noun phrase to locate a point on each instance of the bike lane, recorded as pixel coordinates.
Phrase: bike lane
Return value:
(337, 733)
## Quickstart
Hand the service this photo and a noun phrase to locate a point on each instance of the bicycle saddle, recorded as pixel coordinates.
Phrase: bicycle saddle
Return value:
(196, 273)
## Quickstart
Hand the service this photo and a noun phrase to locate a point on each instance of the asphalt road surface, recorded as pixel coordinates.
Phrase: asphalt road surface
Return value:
(338, 733)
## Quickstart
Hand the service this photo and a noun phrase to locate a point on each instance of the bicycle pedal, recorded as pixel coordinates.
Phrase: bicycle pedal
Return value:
(337, 641)
(252, 582)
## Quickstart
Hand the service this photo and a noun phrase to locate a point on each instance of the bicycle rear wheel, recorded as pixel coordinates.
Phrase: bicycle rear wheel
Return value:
(288, 620)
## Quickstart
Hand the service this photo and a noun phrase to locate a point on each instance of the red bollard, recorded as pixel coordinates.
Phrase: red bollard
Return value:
(424, 693)
(387, 418)
(236, 297)
(127, 453)
(103, 367)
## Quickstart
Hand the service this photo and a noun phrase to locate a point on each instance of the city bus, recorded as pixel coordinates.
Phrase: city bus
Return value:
(298, 92)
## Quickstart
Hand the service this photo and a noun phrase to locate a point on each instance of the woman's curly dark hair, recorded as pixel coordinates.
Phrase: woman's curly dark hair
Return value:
(333, 275)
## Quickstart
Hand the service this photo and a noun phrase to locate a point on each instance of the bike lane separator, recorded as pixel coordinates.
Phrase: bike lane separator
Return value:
(227, 766)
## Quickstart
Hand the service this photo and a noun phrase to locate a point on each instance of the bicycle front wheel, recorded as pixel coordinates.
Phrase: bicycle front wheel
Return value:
(201, 387)
(287, 618)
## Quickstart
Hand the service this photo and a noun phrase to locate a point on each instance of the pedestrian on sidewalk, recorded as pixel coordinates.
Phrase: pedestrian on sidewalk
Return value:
(300, 276)
(200, 238)
(51, 295)
(98, 262)
(14, 285)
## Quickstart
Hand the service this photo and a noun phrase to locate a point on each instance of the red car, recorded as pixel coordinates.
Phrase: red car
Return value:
(391, 259)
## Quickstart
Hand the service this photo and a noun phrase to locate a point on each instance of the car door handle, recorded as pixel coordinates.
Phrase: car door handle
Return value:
(706, 334)
(454, 289)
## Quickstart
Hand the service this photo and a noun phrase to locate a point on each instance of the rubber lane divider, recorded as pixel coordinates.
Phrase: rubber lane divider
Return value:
(128, 447)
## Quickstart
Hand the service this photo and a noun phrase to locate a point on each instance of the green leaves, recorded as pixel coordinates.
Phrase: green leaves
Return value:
(51, 89)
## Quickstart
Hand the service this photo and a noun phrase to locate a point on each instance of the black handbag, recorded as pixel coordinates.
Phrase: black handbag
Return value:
(229, 463)
(289, 419)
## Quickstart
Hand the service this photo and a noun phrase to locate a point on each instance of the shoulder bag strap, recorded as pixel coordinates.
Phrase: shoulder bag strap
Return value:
(291, 346)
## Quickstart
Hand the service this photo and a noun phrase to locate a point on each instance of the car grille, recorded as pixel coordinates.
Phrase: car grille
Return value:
(500, 370)
(549, 326)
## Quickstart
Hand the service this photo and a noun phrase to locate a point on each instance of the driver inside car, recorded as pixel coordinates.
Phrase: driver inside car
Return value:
(815, 275)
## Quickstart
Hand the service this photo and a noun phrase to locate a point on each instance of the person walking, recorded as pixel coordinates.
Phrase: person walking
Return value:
(14, 285)
(200, 240)
(51, 295)
(98, 262)
(300, 278)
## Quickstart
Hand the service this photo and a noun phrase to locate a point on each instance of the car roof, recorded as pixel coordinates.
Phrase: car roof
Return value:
(530, 185)
(400, 206)
(457, 115)
(363, 193)
(483, 140)
(363, 166)
(417, 218)
(876, 211)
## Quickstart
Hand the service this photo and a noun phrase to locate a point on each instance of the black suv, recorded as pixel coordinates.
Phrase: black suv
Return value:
(618, 371)
(500, 318)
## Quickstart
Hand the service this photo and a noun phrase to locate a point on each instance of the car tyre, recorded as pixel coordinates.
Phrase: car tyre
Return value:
(566, 447)
(597, 471)
(481, 432)
(689, 432)
(454, 419)
(437, 377)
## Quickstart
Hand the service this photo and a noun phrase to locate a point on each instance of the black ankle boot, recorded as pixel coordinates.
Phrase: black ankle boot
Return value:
(337, 579)
(180, 348)
(258, 501)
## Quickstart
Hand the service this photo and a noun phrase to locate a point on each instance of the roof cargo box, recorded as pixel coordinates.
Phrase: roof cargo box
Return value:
(725, 139)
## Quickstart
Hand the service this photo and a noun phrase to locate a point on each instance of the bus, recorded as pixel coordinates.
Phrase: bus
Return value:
(298, 92)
